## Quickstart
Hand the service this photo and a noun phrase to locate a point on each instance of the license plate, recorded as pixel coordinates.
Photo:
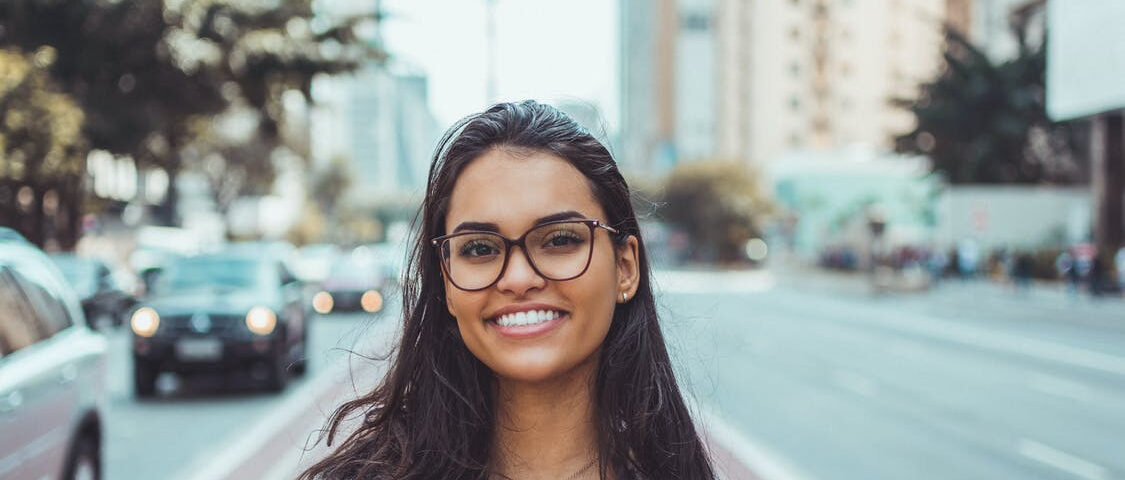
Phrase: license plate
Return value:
(199, 349)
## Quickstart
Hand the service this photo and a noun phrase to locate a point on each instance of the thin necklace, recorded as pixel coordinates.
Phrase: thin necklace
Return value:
(583, 469)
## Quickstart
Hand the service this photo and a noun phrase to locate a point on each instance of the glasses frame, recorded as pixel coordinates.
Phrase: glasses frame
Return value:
(520, 242)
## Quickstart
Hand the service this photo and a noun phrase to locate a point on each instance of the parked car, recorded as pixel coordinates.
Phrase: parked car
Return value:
(52, 372)
(220, 313)
(356, 282)
(315, 261)
(104, 300)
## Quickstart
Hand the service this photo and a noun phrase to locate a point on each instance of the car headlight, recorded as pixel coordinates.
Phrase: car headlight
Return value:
(323, 302)
(145, 321)
(371, 301)
(261, 320)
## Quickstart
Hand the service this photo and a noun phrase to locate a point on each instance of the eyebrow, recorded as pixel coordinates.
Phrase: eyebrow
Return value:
(492, 227)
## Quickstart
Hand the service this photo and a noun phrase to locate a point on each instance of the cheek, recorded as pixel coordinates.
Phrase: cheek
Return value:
(599, 291)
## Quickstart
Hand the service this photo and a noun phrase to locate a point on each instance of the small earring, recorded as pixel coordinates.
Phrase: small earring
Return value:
(624, 296)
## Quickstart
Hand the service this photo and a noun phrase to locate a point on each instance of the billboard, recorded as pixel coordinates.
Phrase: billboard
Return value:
(1085, 57)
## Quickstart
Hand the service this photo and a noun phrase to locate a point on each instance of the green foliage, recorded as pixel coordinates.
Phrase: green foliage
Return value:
(330, 184)
(146, 73)
(40, 128)
(982, 122)
(141, 69)
(42, 150)
(720, 205)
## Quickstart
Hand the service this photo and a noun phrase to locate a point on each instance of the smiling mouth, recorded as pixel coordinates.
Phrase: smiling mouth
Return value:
(531, 317)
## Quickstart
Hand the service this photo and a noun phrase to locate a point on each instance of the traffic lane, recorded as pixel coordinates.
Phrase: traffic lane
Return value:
(159, 438)
(785, 378)
(1045, 309)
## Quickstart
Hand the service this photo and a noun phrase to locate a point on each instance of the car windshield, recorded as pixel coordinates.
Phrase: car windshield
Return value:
(78, 272)
(355, 270)
(224, 273)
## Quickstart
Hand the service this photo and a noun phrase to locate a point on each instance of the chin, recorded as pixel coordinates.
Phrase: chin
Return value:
(536, 370)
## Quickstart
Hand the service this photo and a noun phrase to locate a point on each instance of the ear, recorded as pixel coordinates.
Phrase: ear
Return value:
(628, 269)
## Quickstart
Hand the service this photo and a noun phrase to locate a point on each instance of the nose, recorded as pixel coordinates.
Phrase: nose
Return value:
(518, 276)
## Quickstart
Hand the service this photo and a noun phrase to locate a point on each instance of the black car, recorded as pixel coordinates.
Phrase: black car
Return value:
(221, 313)
(103, 299)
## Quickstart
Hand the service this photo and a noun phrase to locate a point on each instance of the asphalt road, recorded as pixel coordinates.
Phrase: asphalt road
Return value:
(970, 382)
(192, 421)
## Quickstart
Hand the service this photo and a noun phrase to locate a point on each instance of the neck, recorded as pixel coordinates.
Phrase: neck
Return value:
(546, 430)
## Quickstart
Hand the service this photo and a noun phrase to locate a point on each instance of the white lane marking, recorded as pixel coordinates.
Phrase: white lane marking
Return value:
(1060, 387)
(977, 337)
(219, 463)
(680, 281)
(758, 458)
(855, 382)
(226, 457)
(1061, 460)
(286, 468)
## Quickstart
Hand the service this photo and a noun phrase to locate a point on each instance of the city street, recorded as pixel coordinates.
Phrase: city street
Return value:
(180, 434)
(805, 376)
(969, 382)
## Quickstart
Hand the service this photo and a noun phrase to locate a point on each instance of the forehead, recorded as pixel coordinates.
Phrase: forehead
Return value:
(512, 189)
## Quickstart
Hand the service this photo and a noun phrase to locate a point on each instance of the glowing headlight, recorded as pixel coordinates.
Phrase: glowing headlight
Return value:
(323, 303)
(371, 301)
(261, 320)
(145, 321)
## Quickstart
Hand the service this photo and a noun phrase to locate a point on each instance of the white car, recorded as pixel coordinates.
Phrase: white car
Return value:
(52, 372)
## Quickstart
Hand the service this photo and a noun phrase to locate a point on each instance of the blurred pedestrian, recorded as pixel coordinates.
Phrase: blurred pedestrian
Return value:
(531, 345)
(1065, 267)
(1119, 265)
(968, 257)
(937, 264)
(1022, 269)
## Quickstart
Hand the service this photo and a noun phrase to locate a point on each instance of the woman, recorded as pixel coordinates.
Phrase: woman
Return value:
(531, 347)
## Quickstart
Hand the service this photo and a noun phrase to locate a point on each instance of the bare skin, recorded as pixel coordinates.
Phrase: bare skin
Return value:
(546, 424)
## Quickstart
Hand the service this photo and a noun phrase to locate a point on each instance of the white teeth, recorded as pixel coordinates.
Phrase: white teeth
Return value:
(527, 318)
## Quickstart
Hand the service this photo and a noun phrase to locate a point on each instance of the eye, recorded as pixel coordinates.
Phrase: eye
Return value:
(562, 239)
(477, 249)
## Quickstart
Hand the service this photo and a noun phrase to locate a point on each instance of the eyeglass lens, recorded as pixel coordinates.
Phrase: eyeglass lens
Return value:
(559, 251)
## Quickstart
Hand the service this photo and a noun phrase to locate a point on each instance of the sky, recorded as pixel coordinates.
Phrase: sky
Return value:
(546, 50)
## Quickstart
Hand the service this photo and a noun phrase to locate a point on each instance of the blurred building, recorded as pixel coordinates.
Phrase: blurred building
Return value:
(753, 80)
(379, 120)
(821, 74)
(647, 41)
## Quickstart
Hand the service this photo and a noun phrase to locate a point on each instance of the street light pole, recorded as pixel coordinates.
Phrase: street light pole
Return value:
(490, 32)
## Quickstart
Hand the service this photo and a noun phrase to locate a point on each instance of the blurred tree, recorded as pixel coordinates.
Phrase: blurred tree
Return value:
(981, 122)
(41, 150)
(143, 71)
(330, 184)
(720, 206)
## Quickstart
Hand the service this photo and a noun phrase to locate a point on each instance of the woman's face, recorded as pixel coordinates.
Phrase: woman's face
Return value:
(510, 193)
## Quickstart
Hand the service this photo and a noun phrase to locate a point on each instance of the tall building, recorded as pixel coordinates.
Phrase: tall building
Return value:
(754, 79)
(647, 42)
(821, 74)
(379, 120)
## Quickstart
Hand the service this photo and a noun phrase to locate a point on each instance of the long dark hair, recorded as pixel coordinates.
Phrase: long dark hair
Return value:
(434, 414)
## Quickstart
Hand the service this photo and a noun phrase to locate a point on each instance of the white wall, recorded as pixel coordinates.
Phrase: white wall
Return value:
(1013, 216)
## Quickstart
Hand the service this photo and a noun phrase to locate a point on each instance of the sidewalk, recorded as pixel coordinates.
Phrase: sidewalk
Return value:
(814, 278)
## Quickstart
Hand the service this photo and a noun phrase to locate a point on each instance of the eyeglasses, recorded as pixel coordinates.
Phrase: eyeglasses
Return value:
(559, 250)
